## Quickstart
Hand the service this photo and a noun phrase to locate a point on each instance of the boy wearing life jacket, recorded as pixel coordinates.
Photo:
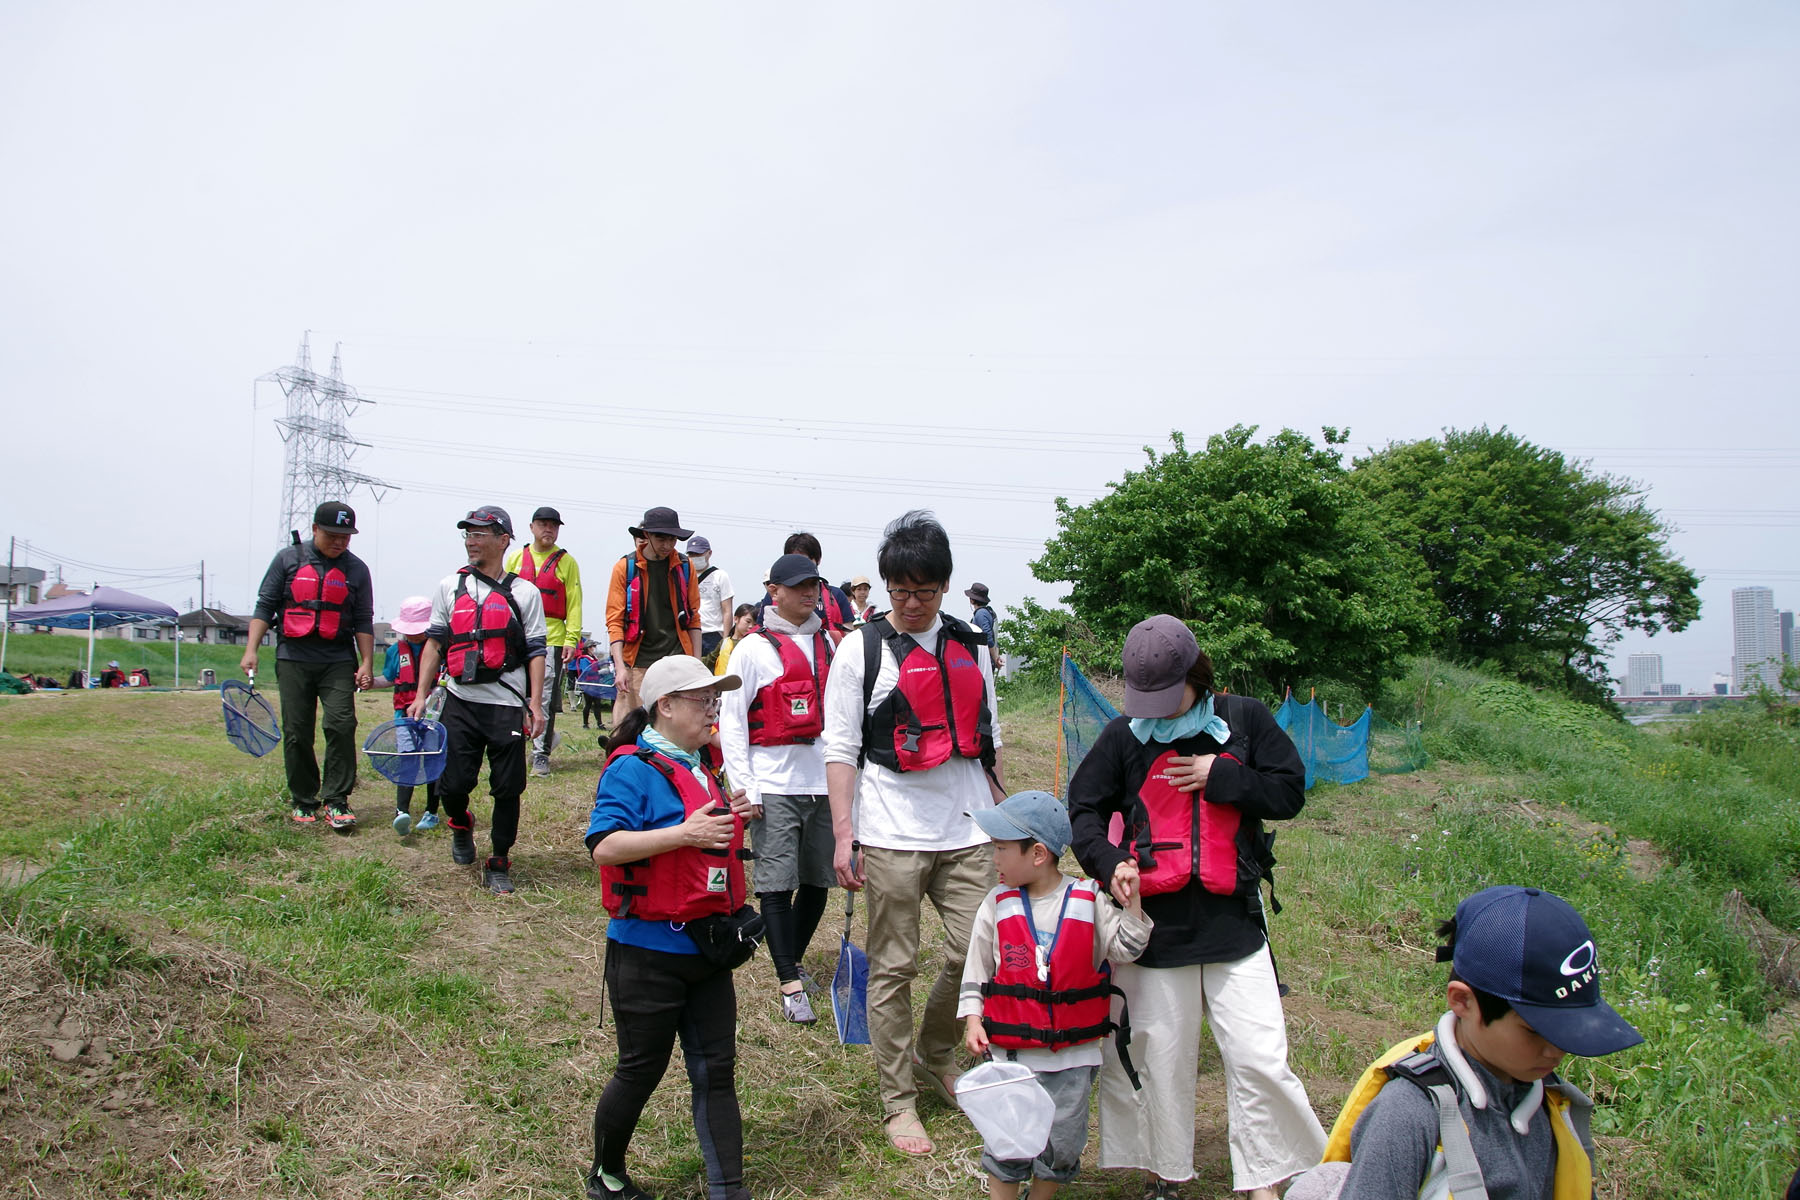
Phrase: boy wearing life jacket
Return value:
(769, 731)
(552, 570)
(1036, 987)
(318, 596)
(401, 672)
(487, 629)
(1475, 1108)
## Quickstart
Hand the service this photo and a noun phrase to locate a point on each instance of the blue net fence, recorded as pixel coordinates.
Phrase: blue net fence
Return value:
(1332, 752)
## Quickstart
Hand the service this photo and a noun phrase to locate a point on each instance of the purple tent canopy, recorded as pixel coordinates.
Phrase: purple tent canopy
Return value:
(101, 608)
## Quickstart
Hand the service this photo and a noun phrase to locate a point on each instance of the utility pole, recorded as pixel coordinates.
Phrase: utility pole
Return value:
(317, 436)
(6, 629)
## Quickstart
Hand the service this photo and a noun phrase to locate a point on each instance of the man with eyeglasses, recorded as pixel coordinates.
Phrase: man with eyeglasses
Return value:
(319, 597)
(910, 701)
(487, 630)
(652, 605)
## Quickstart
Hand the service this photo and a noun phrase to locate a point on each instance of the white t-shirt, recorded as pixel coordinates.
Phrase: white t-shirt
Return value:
(903, 810)
(715, 589)
(797, 770)
(510, 687)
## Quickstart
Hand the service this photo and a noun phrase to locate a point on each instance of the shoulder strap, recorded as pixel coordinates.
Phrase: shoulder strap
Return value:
(709, 570)
(1463, 1172)
(874, 635)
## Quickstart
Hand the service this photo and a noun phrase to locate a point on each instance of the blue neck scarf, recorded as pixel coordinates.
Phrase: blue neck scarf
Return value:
(1192, 723)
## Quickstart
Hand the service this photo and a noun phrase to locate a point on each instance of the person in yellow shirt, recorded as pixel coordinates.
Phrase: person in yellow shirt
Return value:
(558, 579)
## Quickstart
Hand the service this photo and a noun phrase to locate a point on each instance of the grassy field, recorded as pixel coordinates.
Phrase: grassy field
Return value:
(197, 998)
(54, 655)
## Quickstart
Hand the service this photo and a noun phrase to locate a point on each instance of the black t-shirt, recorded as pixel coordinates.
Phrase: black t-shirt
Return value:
(1268, 782)
(659, 639)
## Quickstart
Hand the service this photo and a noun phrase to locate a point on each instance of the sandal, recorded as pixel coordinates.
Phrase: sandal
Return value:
(941, 1087)
(892, 1127)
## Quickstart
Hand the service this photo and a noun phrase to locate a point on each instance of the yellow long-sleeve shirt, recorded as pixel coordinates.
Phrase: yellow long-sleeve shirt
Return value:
(564, 631)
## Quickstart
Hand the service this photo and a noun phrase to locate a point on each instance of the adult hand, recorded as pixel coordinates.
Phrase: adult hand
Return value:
(743, 806)
(1124, 883)
(707, 830)
(247, 664)
(535, 725)
(849, 870)
(1189, 774)
(975, 1036)
(365, 678)
(416, 709)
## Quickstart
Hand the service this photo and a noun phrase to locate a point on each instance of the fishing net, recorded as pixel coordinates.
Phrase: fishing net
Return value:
(1085, 712)
(250, 723)
(596, 682)
(407, 752)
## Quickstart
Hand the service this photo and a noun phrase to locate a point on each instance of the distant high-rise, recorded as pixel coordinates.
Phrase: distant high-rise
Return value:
(1755, 639)
(1787, 634)
(1643, 675)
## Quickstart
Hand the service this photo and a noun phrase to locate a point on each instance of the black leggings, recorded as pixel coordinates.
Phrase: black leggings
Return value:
(790, 919)
(657, 998)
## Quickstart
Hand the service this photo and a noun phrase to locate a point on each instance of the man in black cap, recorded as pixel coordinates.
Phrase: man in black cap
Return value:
(652, 605)
(558, 580)
(319, 596)
(983, 619)
(487, 629)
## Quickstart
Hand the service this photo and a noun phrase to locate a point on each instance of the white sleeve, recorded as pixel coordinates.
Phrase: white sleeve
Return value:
(1118, 935)
(842, 735)
(978, 966)
(734, 719)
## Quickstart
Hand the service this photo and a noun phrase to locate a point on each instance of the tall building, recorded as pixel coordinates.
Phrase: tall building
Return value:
(1787, 634)
(1755, 639)
(1643, 675)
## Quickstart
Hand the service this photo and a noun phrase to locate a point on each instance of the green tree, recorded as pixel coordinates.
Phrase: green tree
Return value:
(1262, 548)
(1531, 560)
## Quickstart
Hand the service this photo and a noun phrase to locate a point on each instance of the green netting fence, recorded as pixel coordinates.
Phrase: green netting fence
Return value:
(1332, 752)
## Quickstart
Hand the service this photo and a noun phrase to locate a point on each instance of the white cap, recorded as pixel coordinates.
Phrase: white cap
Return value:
(681, 673)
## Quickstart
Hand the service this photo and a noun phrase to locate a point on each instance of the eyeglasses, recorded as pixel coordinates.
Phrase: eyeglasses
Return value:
(708, 700)
(480, 533)
(922, 595)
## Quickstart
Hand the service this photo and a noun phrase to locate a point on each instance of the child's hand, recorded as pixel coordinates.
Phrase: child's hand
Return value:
(976, 1037)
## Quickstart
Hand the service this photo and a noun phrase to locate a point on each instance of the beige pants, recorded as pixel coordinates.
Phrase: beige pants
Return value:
(899, 882)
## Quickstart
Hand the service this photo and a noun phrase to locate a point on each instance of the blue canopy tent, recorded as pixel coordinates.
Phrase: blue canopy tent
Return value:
(99, 609)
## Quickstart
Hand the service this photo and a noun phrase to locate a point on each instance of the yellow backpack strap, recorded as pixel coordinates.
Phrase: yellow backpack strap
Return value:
(1568, 1118)
(1372, 1080)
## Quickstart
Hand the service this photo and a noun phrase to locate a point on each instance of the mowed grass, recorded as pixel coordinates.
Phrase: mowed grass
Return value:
(291, 1012)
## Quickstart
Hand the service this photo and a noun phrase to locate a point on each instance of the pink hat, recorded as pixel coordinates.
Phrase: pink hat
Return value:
(415, 615)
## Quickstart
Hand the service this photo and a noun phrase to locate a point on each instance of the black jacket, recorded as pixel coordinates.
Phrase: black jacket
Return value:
(1267, 783)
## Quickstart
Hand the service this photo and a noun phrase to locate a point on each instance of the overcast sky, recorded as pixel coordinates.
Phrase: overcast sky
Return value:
(863, 258)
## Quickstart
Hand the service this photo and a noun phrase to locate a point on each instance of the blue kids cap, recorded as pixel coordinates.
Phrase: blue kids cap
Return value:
(1038, 816)
(1535, 952)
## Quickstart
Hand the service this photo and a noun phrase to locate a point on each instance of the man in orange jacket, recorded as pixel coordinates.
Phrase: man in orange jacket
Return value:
(652, 604)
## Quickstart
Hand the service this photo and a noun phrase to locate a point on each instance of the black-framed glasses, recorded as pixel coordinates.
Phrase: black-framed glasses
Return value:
(922, 595)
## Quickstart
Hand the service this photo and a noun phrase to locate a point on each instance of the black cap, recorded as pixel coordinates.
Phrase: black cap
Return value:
(661, 520)
(792, 570)
(335, 516)
(487, 514)
(546, 513)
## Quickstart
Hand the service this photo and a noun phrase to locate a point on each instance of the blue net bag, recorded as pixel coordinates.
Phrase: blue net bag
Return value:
(407, 752)
(250, 723)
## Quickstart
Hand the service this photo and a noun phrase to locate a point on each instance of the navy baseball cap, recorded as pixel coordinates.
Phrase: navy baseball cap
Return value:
(792, 570)
(699, 545)
(335, 516)
(1535, 952)
(487, 514)
(1034, 816)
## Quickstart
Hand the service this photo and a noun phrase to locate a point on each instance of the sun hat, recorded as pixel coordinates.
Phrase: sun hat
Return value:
(1532, 950)
(978, 592)
(1035, 815)
(857, 581)
(415, 615)
(681, 673)
(792, 570)
(665, 521)
(487, 514)
(1158, 653)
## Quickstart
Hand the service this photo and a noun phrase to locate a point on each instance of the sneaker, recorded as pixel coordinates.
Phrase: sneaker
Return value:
(540, 765)
(597, 1189)
(797, 1008)
(339, 817)
(812, 986)
(428, 821)
(496, 876)
(305, 814)
(462, 846)
(402, 823)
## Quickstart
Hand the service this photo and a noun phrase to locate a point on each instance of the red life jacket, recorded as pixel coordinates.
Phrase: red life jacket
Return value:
(487, 639)
(544, 577)
(318, 602)
(685, 883)
(1070, 1001)
(406, 673)
(937, 710)
(791, 710)
(1182, 836)
(634, 597)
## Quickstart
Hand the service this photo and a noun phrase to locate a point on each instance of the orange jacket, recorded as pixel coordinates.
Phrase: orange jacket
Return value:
(615, 605)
